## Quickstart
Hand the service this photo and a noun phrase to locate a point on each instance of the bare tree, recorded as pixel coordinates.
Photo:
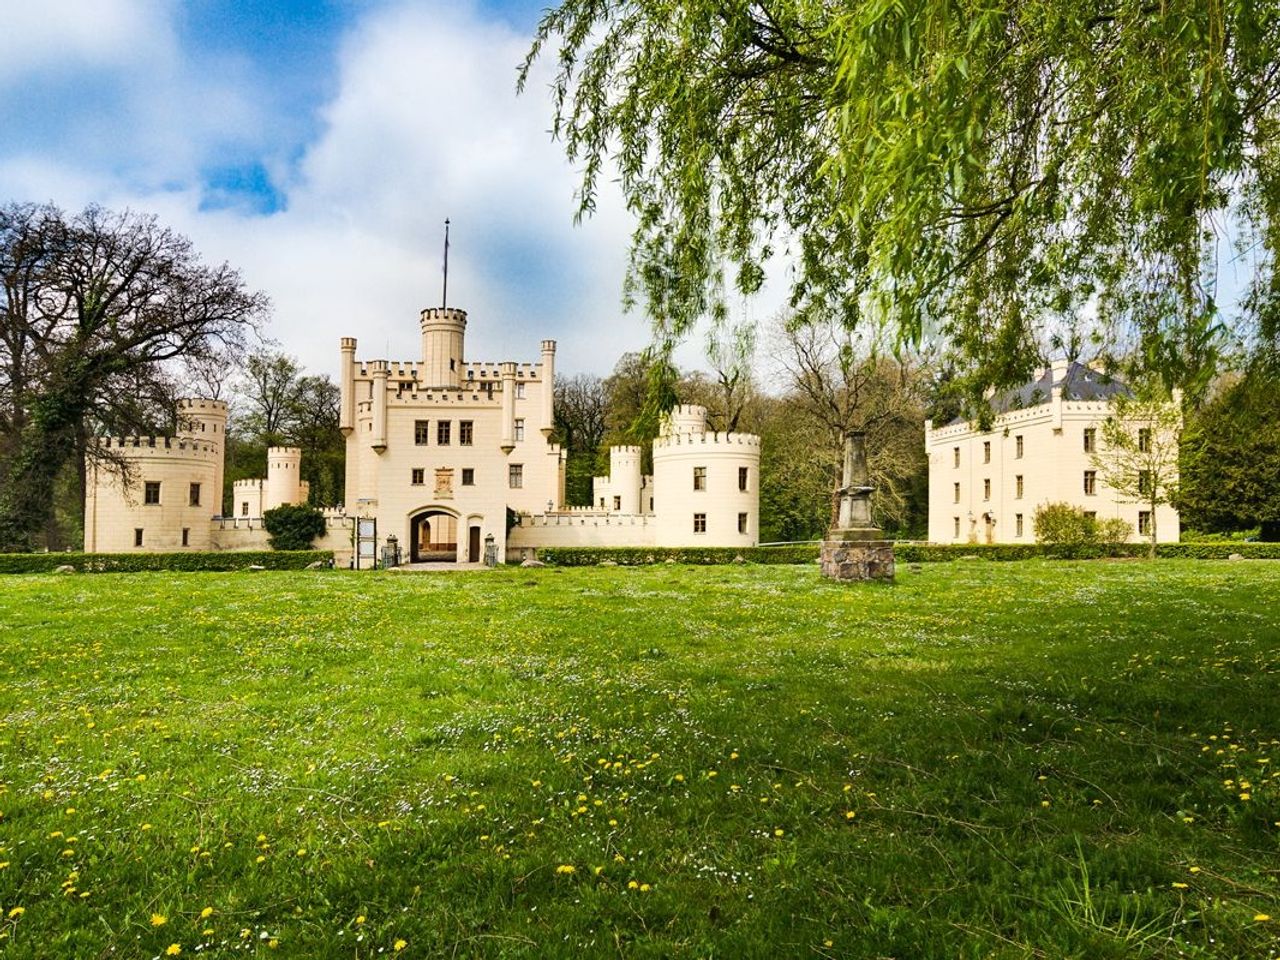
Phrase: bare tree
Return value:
(838, 379)
(93, 305)
(581, 410)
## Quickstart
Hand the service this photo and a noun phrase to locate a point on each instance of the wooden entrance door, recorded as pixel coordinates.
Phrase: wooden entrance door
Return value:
(473, 545)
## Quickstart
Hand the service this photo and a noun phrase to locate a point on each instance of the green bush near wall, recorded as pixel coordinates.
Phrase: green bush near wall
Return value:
(904, 553)
(189, 562)
(639, 556)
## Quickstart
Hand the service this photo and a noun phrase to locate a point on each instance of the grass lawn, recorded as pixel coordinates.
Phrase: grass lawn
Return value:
(1037, 759)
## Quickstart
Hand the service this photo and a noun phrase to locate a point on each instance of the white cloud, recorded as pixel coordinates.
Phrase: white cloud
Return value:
(425, 124)
(58, 35)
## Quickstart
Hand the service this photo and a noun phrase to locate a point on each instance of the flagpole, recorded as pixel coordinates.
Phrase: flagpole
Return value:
(444, 295)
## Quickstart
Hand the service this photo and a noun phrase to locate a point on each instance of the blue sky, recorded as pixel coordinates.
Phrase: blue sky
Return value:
(318, 146)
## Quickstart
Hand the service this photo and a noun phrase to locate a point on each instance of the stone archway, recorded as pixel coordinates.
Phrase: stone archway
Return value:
(433, 537)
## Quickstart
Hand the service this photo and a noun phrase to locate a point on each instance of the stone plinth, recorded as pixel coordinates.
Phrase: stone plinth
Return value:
(856, 559)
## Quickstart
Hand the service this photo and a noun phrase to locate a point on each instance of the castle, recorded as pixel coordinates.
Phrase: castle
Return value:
(447, 459)
(985, 485)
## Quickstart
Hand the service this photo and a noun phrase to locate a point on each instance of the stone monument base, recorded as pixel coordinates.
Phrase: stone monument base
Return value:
(849, 560)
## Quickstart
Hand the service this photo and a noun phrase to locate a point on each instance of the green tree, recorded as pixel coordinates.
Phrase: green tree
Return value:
(96, 309)
(1138, 453)
(293, 526)
(1231, 459)
(958, 165)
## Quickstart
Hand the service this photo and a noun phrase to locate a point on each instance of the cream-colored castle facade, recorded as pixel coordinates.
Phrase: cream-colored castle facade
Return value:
(446, 458)
(985, 485)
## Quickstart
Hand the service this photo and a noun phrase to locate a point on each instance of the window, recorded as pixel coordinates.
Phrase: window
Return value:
(1144, 523)
(955, 489)
(1018, 448)
(1017, 487)
(986, 489)
(1017, 524)
(442, 432)
(1090, 439)
(1090, 483)
(465, 432)
(742, 523)
(742, 477)
(519, 391)
(955, 455)
(137, 536)
(195, 495)
(244, 508)
(957, 520)
(468, 476)
(602, 503)
(1144, 483)
(421, 432)
(519, 429)
(515, 476)
(986, 451)
(151, 492)
(1144, 439)
(418, 476)
(699, 478)
(699, 523)
(651, 504)
(617, 503)
(186, 536)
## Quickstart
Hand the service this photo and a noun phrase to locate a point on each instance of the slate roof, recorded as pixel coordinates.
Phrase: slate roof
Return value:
(1080, 382)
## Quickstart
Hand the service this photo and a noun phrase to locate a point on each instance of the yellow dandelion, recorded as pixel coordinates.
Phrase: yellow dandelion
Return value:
(273, 943)
(1179, 886)
(206, 913)
(566, 869)
(399, 945)
(302, 851)
(644, 888)
(1261, 918)
(173, 950)
(779, 832)
(633, 885)
(16, 912)
(849, 814)
(360, 919)
(158, 920)
(679, 778)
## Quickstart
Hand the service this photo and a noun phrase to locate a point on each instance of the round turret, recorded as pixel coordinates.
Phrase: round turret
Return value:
(687, 418)
(443, 331)
(624, 478)
(284, 481)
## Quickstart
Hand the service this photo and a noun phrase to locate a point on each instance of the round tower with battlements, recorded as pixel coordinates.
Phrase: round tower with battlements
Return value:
(443, 330)
(284, 480)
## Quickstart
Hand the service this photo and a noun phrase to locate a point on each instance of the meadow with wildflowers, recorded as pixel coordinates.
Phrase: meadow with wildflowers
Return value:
(1036, 759)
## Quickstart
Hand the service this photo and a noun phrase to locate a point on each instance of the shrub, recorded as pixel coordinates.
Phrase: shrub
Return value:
(187, 561)
(1114, 530)
(1062, 523)
(294, 526)
(639, 556)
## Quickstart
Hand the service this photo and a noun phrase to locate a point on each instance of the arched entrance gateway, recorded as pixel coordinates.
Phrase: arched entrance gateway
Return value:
(433, 537)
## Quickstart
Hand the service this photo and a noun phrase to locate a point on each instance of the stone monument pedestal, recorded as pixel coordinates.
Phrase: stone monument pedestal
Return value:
(856, 557)
(855, 549)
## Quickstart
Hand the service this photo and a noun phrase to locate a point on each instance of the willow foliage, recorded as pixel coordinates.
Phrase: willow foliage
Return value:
(961, 168)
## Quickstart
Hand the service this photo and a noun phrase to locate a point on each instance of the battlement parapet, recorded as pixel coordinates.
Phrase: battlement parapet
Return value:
(284, 452)
(492, 370)
(246, 484)
(443, 315)
(434, 397)
(176, 447)
(625, 450)
(586, 519)
(202, 403)
(726, 441)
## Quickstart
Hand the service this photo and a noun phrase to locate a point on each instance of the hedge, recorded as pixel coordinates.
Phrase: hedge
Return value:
(638, 556)
(190, 561)
(904, 553)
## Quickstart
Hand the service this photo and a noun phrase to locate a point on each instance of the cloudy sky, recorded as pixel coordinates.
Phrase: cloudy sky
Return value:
(319, 146)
